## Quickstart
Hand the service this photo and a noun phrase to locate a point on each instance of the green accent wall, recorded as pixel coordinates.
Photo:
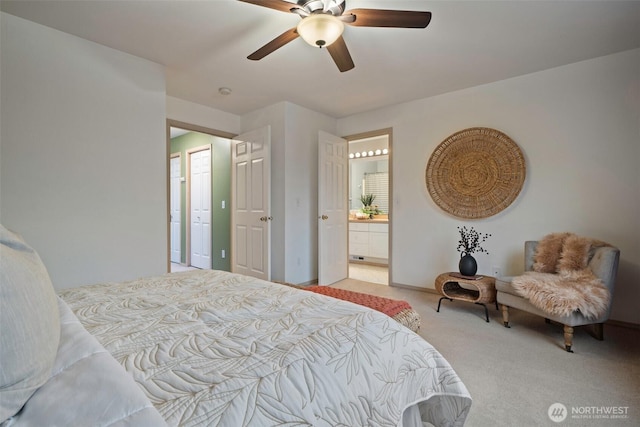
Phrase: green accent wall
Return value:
(220, 191)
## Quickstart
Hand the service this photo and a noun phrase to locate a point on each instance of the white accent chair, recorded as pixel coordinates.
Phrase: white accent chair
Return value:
(603, 264)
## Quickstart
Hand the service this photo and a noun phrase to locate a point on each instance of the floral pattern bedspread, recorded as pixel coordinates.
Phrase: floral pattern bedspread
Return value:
(212, 348)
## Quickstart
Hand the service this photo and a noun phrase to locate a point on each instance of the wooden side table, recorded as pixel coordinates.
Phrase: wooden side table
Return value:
(483, 289)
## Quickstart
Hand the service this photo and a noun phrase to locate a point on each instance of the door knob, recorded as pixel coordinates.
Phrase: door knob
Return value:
(324, 217)
(263, 218)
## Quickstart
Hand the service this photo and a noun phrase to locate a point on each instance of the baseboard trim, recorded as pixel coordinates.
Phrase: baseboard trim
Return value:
(413, 288)
(622, 324)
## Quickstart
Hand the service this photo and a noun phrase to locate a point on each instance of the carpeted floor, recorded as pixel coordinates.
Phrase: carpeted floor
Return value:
(515, 375)
(175, 267)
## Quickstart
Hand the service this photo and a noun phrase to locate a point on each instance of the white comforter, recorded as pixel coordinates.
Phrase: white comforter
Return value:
(87, 387)
(212, 348)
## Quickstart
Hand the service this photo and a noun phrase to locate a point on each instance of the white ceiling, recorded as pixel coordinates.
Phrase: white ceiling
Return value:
(204, 45)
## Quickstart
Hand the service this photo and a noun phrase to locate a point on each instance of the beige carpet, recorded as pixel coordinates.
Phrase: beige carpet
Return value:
(175, 267)
(515, 375)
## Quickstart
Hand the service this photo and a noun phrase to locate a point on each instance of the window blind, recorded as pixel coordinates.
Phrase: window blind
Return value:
(377, 183)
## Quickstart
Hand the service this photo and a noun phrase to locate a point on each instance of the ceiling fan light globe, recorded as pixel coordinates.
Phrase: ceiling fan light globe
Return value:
(320, 30)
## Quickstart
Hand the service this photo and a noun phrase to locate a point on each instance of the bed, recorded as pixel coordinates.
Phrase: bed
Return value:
(212, 348)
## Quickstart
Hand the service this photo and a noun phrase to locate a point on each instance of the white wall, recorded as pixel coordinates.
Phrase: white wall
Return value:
(82, 152)
(579, 129)
(201, 115)
(301, 195)
(294, 183)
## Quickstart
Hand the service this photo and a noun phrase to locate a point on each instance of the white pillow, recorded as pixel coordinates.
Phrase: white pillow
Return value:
(29, 323)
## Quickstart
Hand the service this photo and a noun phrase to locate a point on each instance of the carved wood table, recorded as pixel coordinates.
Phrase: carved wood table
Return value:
(480, 290)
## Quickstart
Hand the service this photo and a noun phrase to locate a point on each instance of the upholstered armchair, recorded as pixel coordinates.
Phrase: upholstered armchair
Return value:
(603, 263)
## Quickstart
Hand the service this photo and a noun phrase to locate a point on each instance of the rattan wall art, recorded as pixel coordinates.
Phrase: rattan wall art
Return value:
(475, 173)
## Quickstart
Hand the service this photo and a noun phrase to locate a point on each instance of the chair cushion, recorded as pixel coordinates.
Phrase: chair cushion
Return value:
(507, 295)
(503, 284)
(30, 323)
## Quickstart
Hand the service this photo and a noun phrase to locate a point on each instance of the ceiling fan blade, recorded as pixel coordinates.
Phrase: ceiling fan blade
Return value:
(389, 18)
(340, 54)
(347, 18)
(280, 5)
(274, 44)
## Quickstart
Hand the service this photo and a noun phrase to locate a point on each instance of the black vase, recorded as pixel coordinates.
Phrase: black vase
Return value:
(468, 265)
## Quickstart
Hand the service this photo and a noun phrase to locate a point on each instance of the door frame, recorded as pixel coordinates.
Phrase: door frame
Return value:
(389, 133)
(193, 128)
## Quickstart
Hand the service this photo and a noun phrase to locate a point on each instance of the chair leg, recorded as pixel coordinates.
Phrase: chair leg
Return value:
(505, 316)
(568, 338)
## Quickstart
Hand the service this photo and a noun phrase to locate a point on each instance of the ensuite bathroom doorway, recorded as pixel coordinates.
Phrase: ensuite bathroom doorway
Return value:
(369, 207)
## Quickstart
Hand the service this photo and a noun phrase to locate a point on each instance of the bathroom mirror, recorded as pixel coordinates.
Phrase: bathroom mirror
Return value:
(369, 172)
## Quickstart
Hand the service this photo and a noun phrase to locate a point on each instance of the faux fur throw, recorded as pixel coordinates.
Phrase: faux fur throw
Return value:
(561, 282)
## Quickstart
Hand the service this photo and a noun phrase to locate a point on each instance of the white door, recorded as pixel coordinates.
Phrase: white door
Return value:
(200, 208)
(175, 175)
(251, 194)
(333, 210)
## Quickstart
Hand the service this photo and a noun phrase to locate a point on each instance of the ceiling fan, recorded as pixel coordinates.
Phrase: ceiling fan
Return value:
(323, 22)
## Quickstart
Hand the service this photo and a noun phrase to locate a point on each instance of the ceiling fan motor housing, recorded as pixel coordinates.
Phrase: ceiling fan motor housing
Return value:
(332, 7)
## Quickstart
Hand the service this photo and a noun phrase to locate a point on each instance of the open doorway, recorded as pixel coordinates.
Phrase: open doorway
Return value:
(369, 206)
(199, 195)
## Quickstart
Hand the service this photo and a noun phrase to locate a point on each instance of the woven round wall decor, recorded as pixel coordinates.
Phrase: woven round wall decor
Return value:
(475, 173)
